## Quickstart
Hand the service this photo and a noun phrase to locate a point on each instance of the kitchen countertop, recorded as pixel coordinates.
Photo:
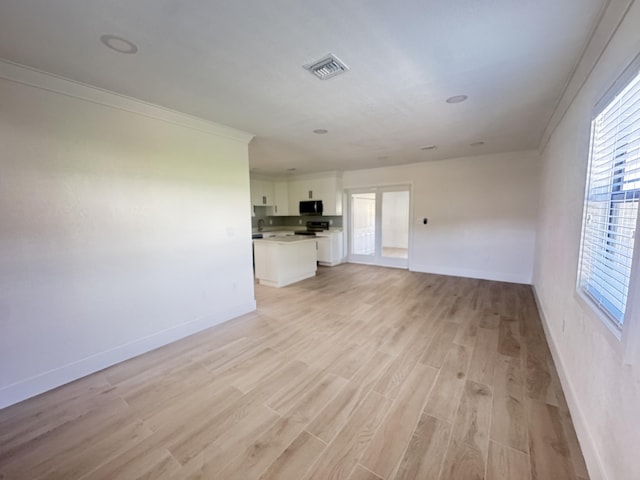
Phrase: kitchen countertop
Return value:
(290, 229)
(288, 239)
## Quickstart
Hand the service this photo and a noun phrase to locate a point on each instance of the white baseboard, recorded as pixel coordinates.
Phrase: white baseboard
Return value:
(524, 278)
(585, 438)
(56, 377)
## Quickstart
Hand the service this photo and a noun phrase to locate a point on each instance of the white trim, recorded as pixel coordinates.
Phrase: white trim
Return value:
(603, 323)
(374, 264)
(43, 382)
(624, 339)
(308, 176)
(467, 273)
(284, 283)
(607, 24)
(627, 76)
(63, 86)
(378, 259)
(585, 438)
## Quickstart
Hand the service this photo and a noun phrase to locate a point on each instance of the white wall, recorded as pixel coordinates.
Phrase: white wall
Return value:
(602, 391)
(482, 213)
(119, 231)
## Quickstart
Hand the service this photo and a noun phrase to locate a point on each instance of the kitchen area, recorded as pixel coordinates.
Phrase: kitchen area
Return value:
(296, 226)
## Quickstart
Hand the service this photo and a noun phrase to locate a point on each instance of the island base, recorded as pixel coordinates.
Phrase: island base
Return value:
(281, 262)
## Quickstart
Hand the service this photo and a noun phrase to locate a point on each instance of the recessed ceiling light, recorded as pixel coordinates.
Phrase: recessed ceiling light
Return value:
(476, 144)
(428, 147)
(321, 131)
(457, 99)
(119, 44)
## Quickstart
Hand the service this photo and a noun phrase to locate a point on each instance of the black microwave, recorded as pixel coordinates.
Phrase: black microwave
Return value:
(311, 207)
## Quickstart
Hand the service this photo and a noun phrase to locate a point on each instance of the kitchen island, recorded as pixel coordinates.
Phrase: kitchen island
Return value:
(281, 261)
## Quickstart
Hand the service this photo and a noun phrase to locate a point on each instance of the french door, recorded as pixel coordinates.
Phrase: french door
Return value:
(379, 226)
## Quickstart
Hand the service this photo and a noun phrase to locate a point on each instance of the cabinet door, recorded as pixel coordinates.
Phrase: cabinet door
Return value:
(297, 193)
(256, 191)
(267, 193)
(261, 192)
(337, 242)
(281, 199)
(325, 189)
(328, 189)
(324, 249)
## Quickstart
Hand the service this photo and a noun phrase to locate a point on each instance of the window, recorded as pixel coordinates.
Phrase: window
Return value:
(611, 199)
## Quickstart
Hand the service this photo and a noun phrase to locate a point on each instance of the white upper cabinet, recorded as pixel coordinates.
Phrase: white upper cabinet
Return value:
(327, 188)
(285, 194)
(281, 203)
(262, 192)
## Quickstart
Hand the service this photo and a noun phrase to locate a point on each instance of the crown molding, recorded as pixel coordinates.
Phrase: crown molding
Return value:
(611, 16)
(14, 72)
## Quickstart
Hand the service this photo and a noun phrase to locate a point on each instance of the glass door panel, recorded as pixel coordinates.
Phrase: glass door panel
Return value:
(363, 223)
(379, 226)
(395, 224)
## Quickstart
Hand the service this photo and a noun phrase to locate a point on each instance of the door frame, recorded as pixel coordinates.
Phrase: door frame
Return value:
(377, 258)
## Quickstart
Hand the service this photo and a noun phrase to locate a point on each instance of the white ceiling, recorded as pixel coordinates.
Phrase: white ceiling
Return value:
(239, 63)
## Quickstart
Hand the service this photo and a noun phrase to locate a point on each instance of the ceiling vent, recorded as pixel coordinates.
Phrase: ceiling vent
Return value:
(327, 67)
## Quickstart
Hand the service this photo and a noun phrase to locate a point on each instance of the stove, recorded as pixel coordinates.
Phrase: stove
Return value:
(313, 227)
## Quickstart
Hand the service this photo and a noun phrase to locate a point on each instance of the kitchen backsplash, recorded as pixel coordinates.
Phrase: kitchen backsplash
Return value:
(291, 221)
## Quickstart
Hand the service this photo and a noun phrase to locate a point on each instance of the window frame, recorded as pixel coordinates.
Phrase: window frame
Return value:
(624, 338)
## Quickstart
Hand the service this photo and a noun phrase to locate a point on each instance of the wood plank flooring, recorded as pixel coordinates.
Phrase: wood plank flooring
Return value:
(361, 373)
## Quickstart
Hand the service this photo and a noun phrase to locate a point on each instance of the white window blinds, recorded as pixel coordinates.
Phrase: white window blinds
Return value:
(611, 203)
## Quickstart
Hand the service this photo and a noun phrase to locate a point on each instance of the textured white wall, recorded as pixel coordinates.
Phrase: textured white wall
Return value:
(118, 233)
(482, 213)
(603, 392)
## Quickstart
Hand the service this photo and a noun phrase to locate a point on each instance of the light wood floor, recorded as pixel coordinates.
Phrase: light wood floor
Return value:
(361, 373)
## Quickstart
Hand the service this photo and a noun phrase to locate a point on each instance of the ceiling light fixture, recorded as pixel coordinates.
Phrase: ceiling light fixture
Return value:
(119, 44)
(327, 67)
(457, 99)
(428, 147)
(321, 131)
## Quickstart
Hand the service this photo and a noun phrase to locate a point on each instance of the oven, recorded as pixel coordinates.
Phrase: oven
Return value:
(313, 227)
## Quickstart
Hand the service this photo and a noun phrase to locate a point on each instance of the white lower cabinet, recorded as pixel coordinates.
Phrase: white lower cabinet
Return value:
(324, 250)
(330, 248)
(281, 261)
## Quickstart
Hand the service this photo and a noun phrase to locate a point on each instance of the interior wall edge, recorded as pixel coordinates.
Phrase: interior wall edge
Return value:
(30, 387)
(580, 423)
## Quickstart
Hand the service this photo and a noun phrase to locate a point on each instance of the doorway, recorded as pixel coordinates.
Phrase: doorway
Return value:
(379, 226)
